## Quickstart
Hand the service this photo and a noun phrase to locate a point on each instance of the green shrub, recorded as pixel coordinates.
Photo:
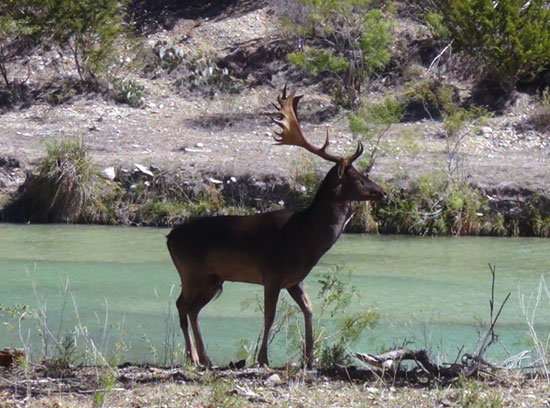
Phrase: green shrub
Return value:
(19, 30)
(89, 29)
(334, 355)
(510, 38)
(541, 226)
(369, 123)
(315, 61)
(539, 118)
(200, 71)
(166, 57)
(436, 206)
(432, 96)
(349, 41)
(194, 68)
(330, 341)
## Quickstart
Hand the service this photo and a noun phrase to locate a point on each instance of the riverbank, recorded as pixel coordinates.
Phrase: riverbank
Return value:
(434, 204)
(129, 386)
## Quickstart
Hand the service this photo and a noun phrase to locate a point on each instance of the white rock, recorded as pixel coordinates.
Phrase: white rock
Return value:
(273, 379)
(143, 169)
(109, 172)
(486, 130)
(214, 181)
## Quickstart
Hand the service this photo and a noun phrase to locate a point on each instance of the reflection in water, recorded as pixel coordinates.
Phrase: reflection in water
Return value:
(432, 292)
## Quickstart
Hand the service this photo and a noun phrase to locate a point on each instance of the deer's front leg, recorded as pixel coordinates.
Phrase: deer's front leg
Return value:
(271, 295)
(300, 297)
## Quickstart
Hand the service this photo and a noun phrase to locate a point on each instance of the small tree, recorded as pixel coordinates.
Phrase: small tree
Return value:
(19, 28)
(89, 28)
(350, 40)
(510, 38)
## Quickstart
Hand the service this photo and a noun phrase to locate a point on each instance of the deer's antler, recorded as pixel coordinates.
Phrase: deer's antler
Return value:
(292, 132)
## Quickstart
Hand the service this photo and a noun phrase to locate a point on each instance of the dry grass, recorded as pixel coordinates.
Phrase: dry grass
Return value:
(153, 387)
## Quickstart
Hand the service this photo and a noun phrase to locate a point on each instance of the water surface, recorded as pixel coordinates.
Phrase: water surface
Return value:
(119, 283)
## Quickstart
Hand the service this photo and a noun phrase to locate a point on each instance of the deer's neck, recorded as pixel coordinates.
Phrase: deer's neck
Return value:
(318, 226)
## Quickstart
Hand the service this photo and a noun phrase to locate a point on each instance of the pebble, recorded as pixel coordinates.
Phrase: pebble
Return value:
(109, 172)
(273, 379)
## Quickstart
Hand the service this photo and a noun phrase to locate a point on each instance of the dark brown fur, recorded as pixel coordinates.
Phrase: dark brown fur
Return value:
(276, 249)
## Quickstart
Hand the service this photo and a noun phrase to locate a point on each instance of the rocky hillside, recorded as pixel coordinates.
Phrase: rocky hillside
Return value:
(220, 127)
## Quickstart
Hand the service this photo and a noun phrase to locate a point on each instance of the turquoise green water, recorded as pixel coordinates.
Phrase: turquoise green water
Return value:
(429, 291)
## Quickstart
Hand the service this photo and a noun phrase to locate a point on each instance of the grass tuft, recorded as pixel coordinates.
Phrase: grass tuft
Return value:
(61, 187)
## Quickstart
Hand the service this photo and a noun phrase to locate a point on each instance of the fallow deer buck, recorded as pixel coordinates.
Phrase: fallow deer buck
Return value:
(276, 249)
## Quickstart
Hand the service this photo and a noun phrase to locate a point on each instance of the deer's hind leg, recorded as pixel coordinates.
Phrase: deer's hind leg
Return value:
(208, 291)
(183, 303)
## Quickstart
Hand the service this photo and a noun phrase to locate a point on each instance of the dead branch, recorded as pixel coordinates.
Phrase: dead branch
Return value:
(392, 361)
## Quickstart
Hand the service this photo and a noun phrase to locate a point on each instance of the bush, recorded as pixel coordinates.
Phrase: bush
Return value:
(370, 122)
(436, 206)
(195, 69)
(61, 188)
(350, 41)
(89, 28)
(429, 98)
(510, 38)
(539, 118)
(19, 29)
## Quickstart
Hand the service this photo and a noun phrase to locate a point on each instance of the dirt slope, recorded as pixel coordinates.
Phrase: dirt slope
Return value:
(228, 133)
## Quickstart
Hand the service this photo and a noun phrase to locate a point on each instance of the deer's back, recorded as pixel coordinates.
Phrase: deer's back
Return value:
(236, 248)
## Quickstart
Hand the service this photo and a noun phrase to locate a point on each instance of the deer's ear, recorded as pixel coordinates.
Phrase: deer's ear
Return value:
(342, 165)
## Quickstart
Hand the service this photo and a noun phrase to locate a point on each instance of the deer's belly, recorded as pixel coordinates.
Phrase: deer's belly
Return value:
(234, 266)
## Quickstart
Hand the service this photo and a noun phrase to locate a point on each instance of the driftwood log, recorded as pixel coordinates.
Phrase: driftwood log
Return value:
(390, 363)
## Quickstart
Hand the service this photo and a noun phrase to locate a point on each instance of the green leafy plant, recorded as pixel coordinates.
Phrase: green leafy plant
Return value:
(370, 122)
(20, 30)
(330, 342)
(431, 96)
(194, 68)
(349, 41)
(315, 61)
(539, 119)
(166, 58)
(90, 30)
(202, 72)
(435, 206)
(334, 355)
(336, 297)
(106, 379)
(509, 38)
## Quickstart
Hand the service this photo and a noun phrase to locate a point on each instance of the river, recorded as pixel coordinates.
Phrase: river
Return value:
(119, 285)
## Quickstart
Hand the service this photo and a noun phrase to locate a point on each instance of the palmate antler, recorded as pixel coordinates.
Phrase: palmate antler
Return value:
(291, 133)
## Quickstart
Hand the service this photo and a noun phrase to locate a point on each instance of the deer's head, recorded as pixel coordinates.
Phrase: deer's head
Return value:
(344, 180)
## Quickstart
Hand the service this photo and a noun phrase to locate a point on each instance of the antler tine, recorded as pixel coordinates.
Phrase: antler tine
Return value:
(357, 153)
(291, 133)
(325, 145)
